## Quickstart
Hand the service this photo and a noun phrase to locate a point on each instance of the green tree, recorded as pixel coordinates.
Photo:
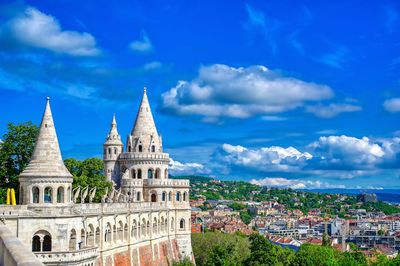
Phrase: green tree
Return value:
(353, 246)
(381, 232)
(220, 256)
(262, 252)
(15, 154)
(88, 173)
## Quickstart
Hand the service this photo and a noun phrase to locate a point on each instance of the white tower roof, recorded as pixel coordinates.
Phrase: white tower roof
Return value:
(144, 124)
(46, 159)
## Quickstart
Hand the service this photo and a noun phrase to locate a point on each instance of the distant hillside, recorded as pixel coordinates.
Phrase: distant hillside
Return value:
(192, 178)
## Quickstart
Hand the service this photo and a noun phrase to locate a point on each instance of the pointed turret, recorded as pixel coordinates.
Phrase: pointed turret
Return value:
(113, 137)
(46, 159)
(144, 136)
(112, 148)
(144, 124)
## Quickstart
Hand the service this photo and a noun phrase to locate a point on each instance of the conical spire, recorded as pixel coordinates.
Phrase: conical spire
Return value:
(144, 124)
(46, 159)
(113, 137)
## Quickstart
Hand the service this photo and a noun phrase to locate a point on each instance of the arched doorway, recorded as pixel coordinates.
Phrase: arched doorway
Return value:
(153, 197)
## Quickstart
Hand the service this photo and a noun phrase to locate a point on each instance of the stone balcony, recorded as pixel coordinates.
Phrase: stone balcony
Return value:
(53, 257)
(184, 183)
(144, 156)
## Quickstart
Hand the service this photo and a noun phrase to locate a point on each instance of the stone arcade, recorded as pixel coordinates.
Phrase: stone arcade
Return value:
(148, 223)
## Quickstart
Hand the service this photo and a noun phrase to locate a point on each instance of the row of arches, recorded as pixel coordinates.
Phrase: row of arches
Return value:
(42, 240)
(49, 194)
(150, 173)
(140, 148)
(178, 197)
(111, 151)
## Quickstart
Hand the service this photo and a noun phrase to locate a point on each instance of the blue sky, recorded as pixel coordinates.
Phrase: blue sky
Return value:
(282, 93)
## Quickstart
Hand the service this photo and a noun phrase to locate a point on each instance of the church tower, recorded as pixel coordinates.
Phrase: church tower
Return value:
(112, 148)
(46, 181)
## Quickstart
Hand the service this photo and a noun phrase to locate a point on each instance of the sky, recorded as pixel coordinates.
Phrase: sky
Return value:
(300, 94)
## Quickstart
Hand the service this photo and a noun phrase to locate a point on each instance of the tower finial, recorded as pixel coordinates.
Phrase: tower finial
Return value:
(48, 98)
(145, 89)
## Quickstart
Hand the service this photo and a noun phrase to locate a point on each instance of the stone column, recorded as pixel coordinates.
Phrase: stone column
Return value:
(41, 194)
(54, 194)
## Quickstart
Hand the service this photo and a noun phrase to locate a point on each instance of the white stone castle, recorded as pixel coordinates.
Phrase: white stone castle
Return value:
(145, 220)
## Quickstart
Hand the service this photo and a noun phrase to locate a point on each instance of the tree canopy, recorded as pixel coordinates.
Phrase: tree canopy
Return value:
(17, 149)
(88, 173)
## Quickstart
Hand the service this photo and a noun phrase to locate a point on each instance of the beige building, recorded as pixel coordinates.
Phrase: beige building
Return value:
(145, 220)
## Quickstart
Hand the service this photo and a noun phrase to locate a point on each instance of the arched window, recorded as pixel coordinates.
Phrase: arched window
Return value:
(109, 150)
(60, 195)
(126, 232)
(35, 195)
(163, 196)
(178, 196)
(134, 229)
(153, 197)
(153, 148)
(140, 148)
(72, 240)
(47, 243)
(83, 238)
(133, 173)
(115, 150)
(157, 173)
(170, 196)
(97, 236)
(138, 196)
(129, 149)
(139, 174)
(182, 224)
(120, 231)
(114, 233)
(107, 234)
(36, 244)
(47, 195)
(184, 196)
(150, 174)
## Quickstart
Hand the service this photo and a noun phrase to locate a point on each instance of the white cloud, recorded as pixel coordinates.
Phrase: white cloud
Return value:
(152, 65)
(293, 183)
(327, 132)
(331, 110)
(273, 118)
(142, 46)
(344, 151)
(268, 159)
(392, 105)
(178, 168)
(224, 91)
(32, 28)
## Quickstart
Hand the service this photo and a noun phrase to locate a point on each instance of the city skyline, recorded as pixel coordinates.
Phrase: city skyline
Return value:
(280, 94)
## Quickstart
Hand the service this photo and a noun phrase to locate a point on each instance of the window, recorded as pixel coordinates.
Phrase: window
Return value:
(153, 148)
(140, 148)
(133, 174)
(139, 174)
(150, 173)
(115, 150)
(36, 244)
(35, 195)
(109, 150)
(60, 195)
(163, 196)
(153, 197)
(47, 195)
(182, 224)
(184, 196)
(138, 196)
(129, 148)
(178, 196)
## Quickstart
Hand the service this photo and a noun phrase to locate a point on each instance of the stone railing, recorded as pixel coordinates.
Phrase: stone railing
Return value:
(143, 156)
(14, 252)
(166, 182)
(87, 255)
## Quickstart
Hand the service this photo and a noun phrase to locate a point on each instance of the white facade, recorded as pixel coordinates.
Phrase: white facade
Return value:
(148, 222)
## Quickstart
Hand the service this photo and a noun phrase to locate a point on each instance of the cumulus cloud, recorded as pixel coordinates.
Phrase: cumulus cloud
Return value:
(142, 46)
(32, 28)
(179, 168)
(266, 159)
(224, 91)
(392, 105)
(331, 110)
(328, 157)
(292, 183)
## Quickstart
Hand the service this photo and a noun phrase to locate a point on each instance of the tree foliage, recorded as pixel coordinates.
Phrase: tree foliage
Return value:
(88, 173)
(17, 149)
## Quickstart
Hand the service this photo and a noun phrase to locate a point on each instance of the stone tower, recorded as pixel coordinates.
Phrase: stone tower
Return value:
(112, 148)
(46, 181)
